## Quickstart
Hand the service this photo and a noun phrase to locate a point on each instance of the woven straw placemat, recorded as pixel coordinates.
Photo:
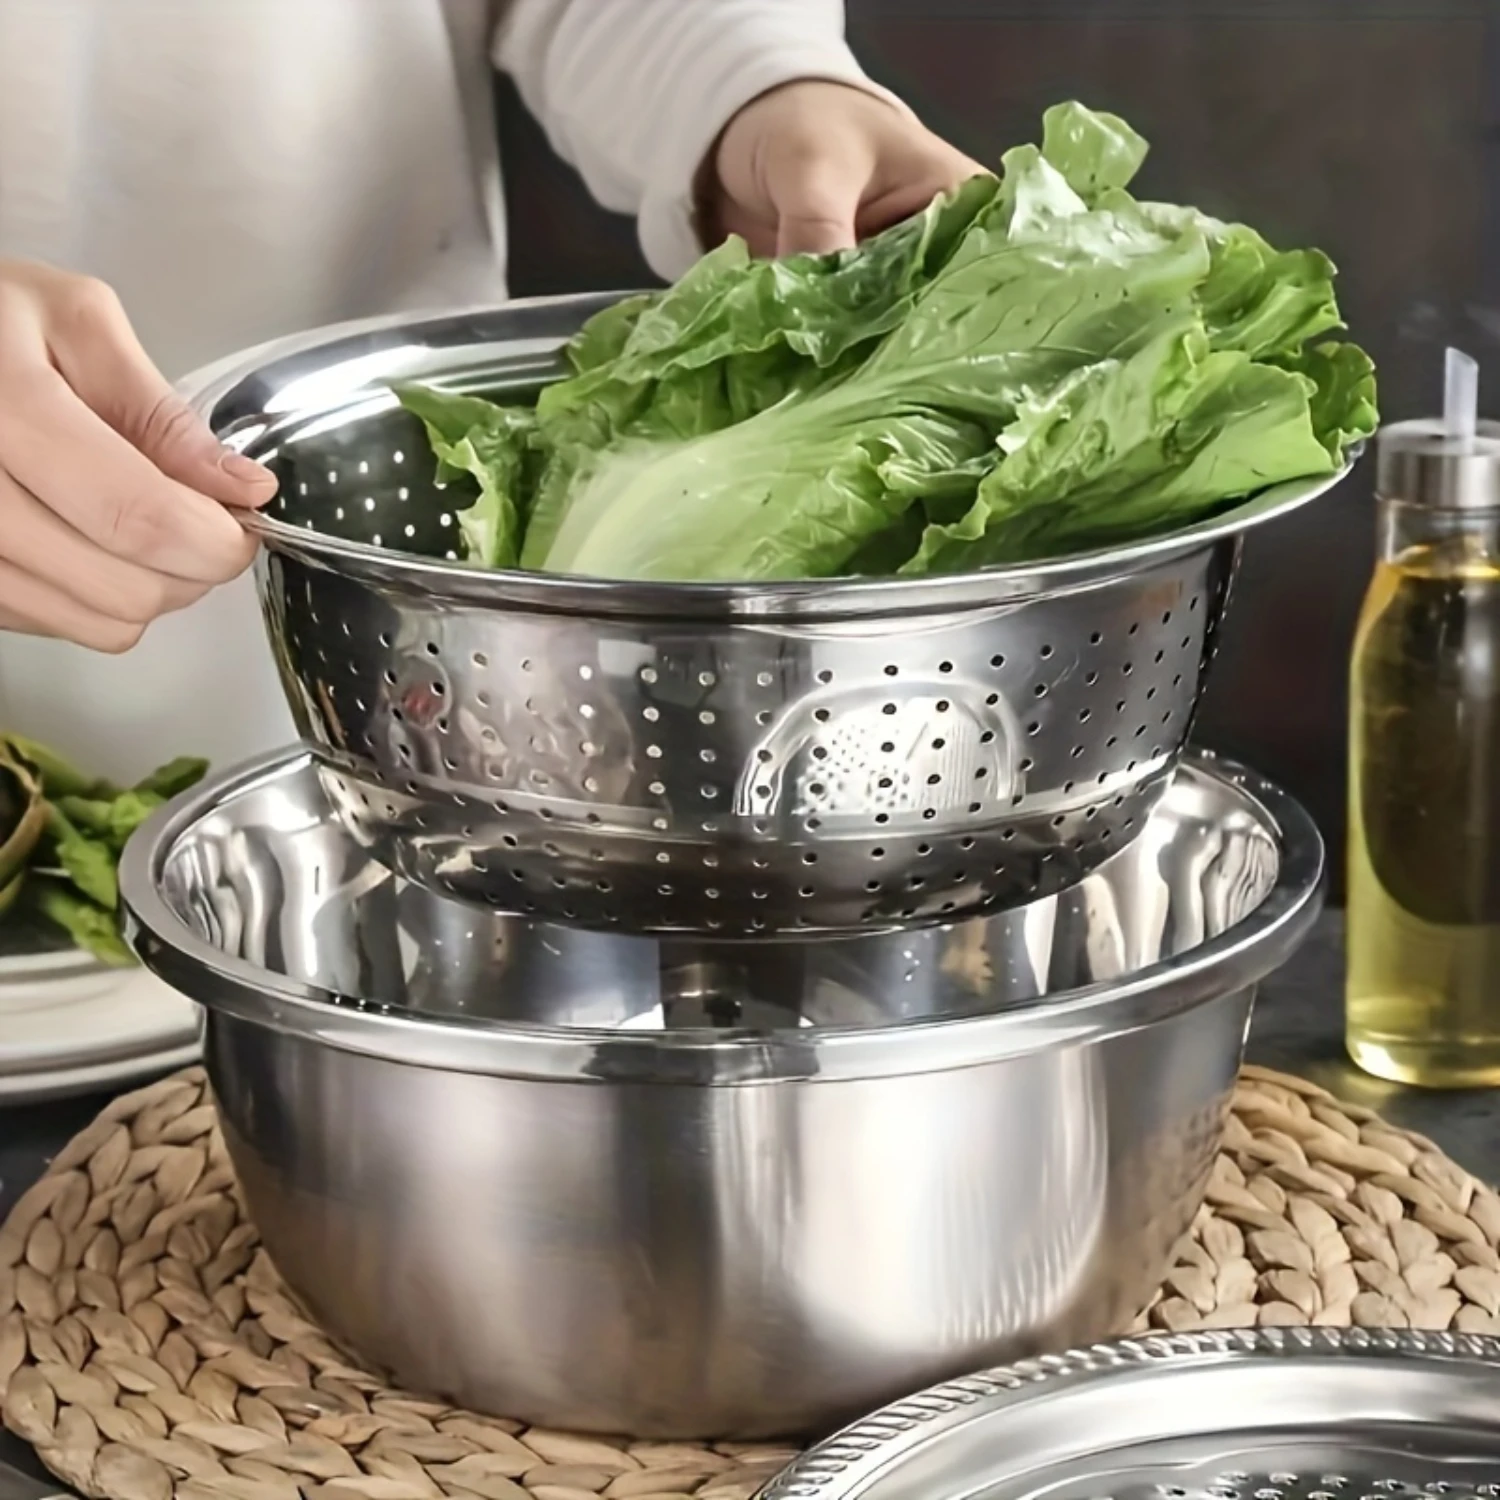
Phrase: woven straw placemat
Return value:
(148, 1350)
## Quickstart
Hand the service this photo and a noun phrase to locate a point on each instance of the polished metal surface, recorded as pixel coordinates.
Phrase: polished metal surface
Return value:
(838, 756)
(1266, 1414)
(680, 1188)
(1418, 463)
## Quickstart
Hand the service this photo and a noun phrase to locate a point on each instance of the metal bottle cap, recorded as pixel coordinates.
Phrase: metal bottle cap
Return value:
(1418, 463)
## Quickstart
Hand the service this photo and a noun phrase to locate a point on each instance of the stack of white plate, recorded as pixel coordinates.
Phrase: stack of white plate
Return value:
(69, 1025)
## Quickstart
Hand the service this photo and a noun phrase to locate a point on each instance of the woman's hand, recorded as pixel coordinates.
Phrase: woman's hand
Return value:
(112, 493)
(818, 166)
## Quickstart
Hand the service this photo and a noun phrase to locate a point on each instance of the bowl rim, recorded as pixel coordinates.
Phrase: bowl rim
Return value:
(1227, 964)
(245, 400)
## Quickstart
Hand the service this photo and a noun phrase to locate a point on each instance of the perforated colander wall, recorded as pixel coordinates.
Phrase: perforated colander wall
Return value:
(724, 776)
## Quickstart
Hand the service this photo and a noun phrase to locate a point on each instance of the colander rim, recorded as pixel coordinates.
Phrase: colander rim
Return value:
(243, 400)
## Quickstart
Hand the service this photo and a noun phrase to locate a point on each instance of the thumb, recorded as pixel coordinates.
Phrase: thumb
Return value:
(816, 202)
(104, 363)
(179, 442)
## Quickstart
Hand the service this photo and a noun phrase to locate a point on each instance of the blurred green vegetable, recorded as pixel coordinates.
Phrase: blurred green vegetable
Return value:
(1038, 364)
(88, 862)
(91, 927)
(59, 778)
(23, 820)
(61, 836)
(113, 821)
(176, 776)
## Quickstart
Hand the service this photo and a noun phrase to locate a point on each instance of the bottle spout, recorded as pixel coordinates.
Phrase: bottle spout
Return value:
(1461, 399)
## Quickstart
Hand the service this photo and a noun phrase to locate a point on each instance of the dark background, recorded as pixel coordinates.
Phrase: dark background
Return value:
(1367, 128)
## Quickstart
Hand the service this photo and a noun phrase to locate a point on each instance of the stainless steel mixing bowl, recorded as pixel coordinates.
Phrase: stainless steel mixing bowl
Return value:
(680, 1188)
(837, 756)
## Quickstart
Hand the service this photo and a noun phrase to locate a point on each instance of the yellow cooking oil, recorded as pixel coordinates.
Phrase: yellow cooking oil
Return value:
(1423, 985)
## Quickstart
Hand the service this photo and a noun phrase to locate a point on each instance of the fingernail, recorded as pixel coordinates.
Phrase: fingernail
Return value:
(246, 470)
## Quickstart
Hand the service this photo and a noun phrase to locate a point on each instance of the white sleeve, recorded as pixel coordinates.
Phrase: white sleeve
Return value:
(633, 93)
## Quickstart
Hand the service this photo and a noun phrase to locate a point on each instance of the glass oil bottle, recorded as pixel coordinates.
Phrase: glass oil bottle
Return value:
(1423, 989)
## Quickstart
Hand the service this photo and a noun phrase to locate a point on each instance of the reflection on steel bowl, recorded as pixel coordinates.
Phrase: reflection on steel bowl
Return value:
(831, 756)
(691, 1189)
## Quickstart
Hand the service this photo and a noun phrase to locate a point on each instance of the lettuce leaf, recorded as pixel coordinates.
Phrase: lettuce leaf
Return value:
(1037, 364)
(489, 443)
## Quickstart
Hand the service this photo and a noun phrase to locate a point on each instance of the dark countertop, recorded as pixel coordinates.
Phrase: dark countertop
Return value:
(1298, 1028)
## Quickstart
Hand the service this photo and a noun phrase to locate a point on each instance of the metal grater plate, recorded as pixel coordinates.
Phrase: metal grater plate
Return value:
(1267, 1414)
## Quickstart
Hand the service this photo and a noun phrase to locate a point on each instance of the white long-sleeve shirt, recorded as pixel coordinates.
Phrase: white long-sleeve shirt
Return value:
(242, 169)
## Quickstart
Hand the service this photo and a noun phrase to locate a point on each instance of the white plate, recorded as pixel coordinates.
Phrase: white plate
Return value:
(60, 963)
(86, 1016)
(60, 1083)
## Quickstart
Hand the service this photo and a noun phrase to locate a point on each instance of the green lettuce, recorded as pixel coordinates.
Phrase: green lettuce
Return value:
(1037, 364)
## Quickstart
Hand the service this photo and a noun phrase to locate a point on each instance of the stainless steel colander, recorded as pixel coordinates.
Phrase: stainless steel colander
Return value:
(737, 759)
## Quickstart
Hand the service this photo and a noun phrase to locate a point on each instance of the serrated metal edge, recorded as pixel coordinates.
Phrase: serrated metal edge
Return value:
(868, 1443)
